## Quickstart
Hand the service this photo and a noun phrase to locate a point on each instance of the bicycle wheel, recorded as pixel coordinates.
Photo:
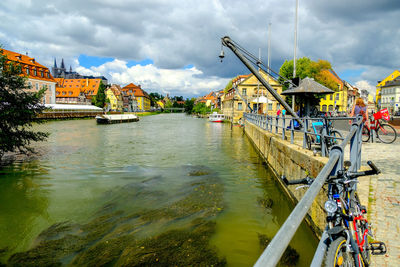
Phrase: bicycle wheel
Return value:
(386, 133)
(365, 254)
(365, 134)
(335, 141)
(337, 254)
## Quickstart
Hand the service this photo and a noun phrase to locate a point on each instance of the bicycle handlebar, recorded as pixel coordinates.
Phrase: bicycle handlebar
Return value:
(306, 181)
(340, 175)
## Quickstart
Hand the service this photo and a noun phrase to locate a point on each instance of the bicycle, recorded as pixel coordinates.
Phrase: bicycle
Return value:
(347, 228)
(385, 132)
(317, 127)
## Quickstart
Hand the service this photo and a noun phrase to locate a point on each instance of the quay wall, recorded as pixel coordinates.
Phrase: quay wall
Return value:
(295, 162)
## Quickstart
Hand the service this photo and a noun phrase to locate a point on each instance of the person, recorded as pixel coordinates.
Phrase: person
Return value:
(278, 112)
(359, 108)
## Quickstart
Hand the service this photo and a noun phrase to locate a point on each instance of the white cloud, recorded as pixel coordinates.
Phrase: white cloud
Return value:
(186, 82)
(365, 85)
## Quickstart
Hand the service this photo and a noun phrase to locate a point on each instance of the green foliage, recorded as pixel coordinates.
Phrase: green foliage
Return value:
(18, 109)
(100, 99)
(228, 86)
(201, 108)
(154, 97)
(189, 104)
(305, 67)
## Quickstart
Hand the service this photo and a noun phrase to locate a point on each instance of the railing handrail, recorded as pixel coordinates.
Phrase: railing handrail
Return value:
(281, 240)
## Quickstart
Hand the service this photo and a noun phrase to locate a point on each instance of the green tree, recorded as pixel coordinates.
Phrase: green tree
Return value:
(100, 99)
(19, 108)
(201, 108)
(189, 104)
(228, 86)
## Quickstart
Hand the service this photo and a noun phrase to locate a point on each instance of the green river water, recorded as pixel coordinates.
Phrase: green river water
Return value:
(167, 190)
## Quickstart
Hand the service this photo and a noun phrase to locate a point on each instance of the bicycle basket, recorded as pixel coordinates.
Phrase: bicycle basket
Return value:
(382, 114)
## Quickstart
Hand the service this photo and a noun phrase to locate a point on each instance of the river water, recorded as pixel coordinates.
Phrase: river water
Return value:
(169, 189)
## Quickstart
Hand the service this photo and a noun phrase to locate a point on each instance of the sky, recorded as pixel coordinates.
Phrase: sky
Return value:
(172, 47)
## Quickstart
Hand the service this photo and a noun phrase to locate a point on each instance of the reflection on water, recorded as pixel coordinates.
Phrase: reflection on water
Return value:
(169, 189)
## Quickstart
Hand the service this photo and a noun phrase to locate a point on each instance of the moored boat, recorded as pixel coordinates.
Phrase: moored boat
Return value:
(215, 117)
(116, 118)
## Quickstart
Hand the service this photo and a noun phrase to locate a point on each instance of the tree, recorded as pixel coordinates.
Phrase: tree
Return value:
(189, 103)
(19, 108)
(201, 108)
(100, 99)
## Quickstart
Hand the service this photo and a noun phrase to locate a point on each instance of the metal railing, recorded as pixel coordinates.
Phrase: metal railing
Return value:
(281, 240)
(284, 125)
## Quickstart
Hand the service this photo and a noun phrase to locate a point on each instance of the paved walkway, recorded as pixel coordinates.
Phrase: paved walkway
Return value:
(384, 198)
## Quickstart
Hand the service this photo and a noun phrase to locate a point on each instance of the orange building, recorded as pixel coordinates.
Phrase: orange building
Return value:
(142, 98)
(38, 75)
(76, 91)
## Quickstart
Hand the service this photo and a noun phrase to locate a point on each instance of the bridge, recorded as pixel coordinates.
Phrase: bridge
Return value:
(175, 109)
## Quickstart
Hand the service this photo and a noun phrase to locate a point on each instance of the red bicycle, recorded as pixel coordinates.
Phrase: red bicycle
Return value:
(385, 132)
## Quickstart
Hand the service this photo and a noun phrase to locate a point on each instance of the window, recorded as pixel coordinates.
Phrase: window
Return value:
(337, 96)
(269, 106)
(37, 86)
(30, 84)
(27, 70)
(41, 73)
(240, 106)
(330, 97)
(244, 91)
(35, 72)
(48, 75)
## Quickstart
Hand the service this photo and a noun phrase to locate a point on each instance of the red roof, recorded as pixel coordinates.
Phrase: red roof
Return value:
(30, 67)
(135, 90)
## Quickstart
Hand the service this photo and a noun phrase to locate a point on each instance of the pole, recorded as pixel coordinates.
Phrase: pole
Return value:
(269, 45)
(258, 82)
(295, 46)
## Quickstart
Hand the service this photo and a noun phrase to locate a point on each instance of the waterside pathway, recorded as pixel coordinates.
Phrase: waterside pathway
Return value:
(170, 189)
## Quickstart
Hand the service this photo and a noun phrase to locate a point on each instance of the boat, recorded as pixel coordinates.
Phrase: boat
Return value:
(116, 118)
(215, 117)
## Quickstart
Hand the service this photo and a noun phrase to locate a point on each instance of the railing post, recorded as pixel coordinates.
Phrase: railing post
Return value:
(355, 146)
(276, 125)
(292, 131)
(323, 143)
(305, 124)
(266, 123)
(283, 127)
(270, 125)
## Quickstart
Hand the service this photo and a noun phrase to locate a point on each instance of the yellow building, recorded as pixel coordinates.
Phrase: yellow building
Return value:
(337, 101)
(142, 98)
(382, 83)
(250, 91)
(115, 98)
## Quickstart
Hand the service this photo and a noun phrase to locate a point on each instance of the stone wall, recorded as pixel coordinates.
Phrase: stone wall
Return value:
(295, 162)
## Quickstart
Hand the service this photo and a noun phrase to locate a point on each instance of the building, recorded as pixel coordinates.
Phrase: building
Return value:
(142, 98)
(61, 72)
(250, 93)
(38, 76)
(390, 95)
(128, 99)
(352, 95)
(337, 101)
(76, 91)
(378, 99)
(114, 95)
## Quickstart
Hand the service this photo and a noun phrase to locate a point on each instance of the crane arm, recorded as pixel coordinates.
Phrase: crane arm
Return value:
(226, 41)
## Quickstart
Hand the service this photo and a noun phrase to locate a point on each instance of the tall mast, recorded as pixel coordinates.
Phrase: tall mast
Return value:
(295, 46)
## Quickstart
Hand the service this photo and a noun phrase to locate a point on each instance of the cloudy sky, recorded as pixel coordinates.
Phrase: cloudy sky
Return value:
(171, 46)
